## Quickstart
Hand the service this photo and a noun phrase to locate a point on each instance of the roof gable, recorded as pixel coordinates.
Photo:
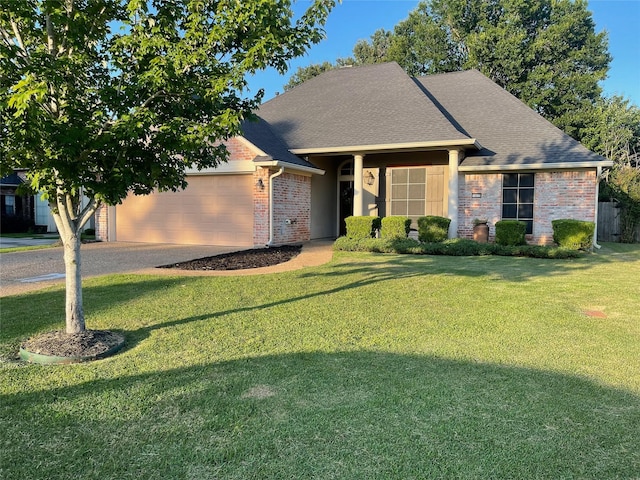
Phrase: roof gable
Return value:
(509, 131)
(358, 107)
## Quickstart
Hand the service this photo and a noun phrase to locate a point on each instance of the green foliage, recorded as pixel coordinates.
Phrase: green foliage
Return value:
(433, 228)
(395, 227)
(575, 234)
(510, 232)
(457, 247)
(614, 130)
(362, 227)
(624, 185)
(103, 98)
(114, 96)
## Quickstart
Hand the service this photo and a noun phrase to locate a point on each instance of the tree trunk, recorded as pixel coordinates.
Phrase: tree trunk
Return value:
(73, 306)
(70, 219)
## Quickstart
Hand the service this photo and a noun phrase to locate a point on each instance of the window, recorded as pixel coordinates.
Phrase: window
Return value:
(9, 205)
(408, 192)
(517, 198)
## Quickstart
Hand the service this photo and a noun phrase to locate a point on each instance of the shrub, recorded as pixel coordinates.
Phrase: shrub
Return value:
(433, 228)
(451, 247)
(510, 232)
(362, 227)
(89, 231)
(395, 227)
(575, 234)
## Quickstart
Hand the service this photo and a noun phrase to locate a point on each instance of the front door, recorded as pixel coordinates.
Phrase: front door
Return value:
(346, 203)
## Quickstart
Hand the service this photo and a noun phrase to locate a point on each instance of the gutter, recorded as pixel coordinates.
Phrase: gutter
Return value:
(277, 174)
(389, 147)
(535, 166)
(595, 218)
(290, 166)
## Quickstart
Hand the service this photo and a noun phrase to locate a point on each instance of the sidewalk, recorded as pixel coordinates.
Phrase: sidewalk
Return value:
(9, 242)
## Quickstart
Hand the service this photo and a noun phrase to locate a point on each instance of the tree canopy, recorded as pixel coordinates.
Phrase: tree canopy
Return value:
(105, 97)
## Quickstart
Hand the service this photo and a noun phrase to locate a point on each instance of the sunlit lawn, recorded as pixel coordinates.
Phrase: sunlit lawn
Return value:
(374, 366)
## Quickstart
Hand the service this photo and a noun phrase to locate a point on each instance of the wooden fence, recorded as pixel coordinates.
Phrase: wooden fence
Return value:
(609, 223)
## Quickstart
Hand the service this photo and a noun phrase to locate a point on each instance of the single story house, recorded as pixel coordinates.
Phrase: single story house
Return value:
(372, 140)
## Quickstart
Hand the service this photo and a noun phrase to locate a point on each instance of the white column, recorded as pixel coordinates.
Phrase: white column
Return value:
(452, 212)
(358, 191)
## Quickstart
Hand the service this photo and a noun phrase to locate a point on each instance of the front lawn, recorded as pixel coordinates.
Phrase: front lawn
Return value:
(372, 367)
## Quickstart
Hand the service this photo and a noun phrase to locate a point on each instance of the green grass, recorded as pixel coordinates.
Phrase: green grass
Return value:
(371, 367)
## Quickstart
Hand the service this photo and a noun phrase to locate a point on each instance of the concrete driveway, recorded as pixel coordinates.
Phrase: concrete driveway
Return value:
(31, 270)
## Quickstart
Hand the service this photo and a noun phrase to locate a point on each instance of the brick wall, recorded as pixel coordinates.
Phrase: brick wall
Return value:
(480, 196)
(102, 224)
(239, 149)
(261, 206)
(562, 194)
(292, 208)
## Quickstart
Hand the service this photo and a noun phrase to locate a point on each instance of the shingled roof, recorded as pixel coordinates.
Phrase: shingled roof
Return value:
(358, 107)
(511, 133)
(260, 134)
(380, 107)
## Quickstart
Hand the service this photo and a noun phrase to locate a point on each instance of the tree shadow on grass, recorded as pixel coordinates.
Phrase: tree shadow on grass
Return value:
(319, 415)
(349, 271)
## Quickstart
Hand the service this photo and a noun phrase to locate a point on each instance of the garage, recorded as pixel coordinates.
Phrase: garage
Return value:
(213, 210)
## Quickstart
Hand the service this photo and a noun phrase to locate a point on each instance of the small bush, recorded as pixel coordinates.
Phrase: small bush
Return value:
(433, 228)
(451, 247)
(89, 231)
(362, 227)
(395, 227)
(575, 234)
(510, 232)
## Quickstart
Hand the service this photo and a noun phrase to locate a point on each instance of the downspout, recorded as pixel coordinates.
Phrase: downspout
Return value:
(595, 232)
(277, 174)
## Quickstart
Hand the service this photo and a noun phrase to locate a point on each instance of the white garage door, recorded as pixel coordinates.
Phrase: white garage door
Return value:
(213, 210)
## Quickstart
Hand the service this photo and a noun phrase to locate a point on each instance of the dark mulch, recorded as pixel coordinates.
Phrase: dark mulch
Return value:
(90, 343)
(256, 258)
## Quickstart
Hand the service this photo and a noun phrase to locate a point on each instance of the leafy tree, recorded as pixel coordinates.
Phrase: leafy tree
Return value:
(614, 132)
(306, 73)
(375, 52)
(105, 97)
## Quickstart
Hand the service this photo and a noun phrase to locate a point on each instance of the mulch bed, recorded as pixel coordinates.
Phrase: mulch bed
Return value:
(256, 258)
(90, 343)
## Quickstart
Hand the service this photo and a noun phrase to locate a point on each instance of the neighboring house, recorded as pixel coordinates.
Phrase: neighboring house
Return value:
(16, 208)
(373, 141)
(22, 212)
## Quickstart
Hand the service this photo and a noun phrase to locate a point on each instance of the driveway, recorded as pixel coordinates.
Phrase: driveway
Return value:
(31, 270)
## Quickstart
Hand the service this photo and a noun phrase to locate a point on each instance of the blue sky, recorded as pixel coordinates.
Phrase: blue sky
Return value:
(355, 20)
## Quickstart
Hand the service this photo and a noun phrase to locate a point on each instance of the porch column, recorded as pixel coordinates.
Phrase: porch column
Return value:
(358, 191)
(452, 212)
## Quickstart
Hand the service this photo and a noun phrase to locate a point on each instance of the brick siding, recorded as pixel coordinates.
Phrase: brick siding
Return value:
(562, 194)
(292, 202)
(101, 223)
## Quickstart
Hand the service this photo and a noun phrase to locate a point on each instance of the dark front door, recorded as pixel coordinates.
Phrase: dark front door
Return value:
(346, 204)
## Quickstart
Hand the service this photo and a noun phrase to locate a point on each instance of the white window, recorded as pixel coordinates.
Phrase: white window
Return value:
(408, 192)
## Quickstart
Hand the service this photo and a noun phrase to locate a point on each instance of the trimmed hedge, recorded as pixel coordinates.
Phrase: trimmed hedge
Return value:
(362, 227)
(575, 234)
(433, 228)
(395, 227)
(452, 247)
(510, 232)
